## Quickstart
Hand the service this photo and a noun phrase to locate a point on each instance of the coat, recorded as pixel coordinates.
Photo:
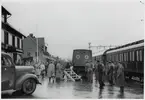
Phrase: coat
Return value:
(99, 72)
(51, 70)
(89, 69)
(58, 70)
(37, 69)
(120, 81)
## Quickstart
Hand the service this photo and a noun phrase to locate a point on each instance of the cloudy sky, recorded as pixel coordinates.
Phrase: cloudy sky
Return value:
(71, 24)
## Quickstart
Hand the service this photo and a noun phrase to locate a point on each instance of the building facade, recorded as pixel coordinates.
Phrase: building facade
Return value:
(35, 48)
(11, 39)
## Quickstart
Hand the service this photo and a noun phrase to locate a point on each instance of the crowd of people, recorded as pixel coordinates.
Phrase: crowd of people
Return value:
(52, 70)
(113, 72)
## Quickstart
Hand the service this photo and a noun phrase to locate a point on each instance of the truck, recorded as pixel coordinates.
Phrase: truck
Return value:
(79, 59)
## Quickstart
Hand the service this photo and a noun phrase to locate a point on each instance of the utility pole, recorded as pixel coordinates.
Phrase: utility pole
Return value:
(89, 45)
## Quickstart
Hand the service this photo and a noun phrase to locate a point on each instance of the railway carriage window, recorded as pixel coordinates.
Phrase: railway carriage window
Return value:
(137, 58)
(126, 56)
(117, 57)
(132, 55)
(120, 58)
(140, 55)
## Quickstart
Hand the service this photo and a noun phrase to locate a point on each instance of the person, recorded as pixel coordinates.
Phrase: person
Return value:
(120, 76)
(96, 70)
(71, 68)
(42, 68)
(100, 71)
(37, 69)
(110, 72)
(51, 71)
(58, 71)
(89, 71)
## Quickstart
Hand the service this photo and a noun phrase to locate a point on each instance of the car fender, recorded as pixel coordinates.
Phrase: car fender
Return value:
(21, 79)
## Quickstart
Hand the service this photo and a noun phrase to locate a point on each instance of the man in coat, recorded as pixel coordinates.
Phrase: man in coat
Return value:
(120, 76)
(100, 73)
(110, 72)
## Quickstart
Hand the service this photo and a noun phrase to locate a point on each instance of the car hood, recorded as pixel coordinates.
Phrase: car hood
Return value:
(24, 69)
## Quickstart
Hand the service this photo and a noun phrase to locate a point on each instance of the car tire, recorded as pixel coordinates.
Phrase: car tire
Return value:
(29, 86)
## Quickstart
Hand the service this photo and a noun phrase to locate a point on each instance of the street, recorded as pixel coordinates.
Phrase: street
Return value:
(76, 90)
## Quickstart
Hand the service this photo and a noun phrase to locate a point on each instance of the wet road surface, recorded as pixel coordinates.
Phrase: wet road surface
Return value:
(72, 90)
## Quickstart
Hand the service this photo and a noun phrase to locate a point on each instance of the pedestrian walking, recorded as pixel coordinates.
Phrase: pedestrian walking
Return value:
(100, 72)
(89, 69)
(120, 76)
(51, 71)
(58, 71)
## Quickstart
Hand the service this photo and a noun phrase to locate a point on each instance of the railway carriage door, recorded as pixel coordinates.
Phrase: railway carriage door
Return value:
(8, 73)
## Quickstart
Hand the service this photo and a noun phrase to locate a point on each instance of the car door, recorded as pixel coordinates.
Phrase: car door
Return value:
(8, 72)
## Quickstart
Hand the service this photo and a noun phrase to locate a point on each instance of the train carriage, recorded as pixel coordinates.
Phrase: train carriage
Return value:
(130, 55)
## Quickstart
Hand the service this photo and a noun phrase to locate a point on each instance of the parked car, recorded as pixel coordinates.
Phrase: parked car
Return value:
(19, 78)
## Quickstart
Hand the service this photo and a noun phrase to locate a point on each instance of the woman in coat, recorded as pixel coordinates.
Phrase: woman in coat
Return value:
(120, 76)
(58, 71)
(51, 71)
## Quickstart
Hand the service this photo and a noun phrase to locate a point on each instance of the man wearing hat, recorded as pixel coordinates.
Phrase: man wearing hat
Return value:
(89, 69)
(110, 72)
(100, 72)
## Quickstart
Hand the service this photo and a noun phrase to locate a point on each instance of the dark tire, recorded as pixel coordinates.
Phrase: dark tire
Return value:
(29, 86)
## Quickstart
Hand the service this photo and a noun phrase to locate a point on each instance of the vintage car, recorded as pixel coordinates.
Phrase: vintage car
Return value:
(19, 78)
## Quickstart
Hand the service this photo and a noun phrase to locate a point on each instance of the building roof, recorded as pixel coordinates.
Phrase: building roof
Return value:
(11, 29)
(4, 11)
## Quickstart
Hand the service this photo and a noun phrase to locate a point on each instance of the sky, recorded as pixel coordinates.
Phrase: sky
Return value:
(71, 24)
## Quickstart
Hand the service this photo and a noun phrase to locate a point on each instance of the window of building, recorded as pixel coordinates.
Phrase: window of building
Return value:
(13, 40)
(20, 44)
(6, 37)
(2, 17)
(10, 39)
(16, 44)
(2, 35)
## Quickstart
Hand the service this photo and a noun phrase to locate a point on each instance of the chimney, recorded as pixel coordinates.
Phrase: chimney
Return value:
(31, 35)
